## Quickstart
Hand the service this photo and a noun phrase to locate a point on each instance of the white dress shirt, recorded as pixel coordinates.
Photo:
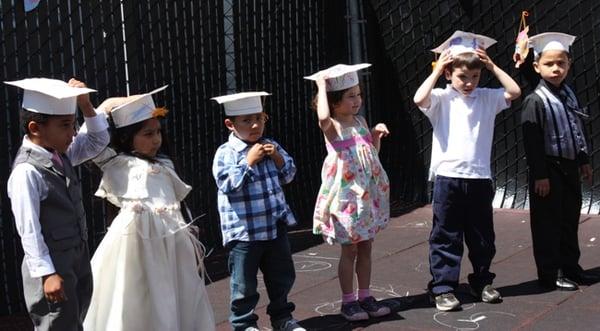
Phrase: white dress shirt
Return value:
(26, 189)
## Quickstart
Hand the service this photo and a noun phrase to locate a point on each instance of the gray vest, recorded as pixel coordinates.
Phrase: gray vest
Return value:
(62, 216)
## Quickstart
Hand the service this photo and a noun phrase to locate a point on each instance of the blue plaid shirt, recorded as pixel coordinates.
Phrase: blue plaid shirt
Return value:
(250, 199)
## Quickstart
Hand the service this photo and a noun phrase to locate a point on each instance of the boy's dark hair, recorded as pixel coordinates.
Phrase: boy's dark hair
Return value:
(537, 57)
(333, 97)
(27, 116)
(469, 60)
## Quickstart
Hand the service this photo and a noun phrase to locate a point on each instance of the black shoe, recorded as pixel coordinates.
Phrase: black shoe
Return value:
(585, 278)
(565, 284)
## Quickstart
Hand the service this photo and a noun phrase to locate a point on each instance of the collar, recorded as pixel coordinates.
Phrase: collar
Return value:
(555, 90)
(454, 93)
(29, 144)
(237, 143)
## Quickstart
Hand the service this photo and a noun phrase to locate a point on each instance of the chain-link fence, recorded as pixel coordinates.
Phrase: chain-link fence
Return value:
(202, 49)
(208, 48)
(409, 29)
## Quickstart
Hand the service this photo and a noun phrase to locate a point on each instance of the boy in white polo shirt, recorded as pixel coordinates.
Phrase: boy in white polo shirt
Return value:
(462, 116)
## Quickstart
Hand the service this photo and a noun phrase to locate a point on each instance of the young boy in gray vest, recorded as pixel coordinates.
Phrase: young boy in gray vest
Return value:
(46, 200)
(558, 157)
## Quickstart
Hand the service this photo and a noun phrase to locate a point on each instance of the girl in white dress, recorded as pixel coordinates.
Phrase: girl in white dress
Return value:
(147, 270)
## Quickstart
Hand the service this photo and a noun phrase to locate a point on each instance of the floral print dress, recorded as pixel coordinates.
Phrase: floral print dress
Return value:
(353, 201)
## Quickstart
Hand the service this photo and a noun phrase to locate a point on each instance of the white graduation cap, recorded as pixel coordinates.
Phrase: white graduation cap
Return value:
(136, 108)
(340, 76)
(49, 96)
(551, 41)
(243, 103)
(464, 42)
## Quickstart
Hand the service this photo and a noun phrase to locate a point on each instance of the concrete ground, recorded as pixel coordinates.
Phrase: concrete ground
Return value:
(401, 272)
(400, 275)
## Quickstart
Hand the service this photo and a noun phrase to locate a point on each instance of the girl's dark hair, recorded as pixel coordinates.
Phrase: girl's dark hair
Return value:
(121, 140)
(27, 116)
(469, 60)
(333, 97)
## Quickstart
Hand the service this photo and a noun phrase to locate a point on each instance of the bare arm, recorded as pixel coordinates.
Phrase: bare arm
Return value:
(83, 101)
(323, 111)
(511, 88)
(422, 97)
(377, 132)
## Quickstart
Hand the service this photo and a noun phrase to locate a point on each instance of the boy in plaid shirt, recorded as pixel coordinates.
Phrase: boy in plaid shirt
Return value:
(249, 171)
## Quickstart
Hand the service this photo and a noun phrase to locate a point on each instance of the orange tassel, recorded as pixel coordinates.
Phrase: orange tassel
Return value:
(160, 112)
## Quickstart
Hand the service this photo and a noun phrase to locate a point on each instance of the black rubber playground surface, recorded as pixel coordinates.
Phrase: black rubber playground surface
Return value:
(401, 272)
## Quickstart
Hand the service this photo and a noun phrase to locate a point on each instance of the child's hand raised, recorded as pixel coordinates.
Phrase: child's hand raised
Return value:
(272, 152)
(380, 130)
(110, 103)
(83, 100)
(489, 64)
(269, 149)
(441, 63)
(255, 154)
(321, 82)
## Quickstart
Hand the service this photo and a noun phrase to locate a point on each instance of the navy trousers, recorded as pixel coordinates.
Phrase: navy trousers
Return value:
(462, 207)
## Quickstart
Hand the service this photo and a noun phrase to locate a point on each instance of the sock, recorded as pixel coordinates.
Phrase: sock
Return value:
(363, 293)
(347, 298)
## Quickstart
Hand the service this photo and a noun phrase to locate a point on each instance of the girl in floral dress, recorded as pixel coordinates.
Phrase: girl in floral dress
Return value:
(353, 201)
(147, 270)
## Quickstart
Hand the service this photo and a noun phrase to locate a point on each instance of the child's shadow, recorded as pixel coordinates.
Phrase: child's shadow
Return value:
(532, 287)
(335, 322)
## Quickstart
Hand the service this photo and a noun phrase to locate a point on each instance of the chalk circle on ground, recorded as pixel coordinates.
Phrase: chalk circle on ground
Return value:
(457, 321)
(311, 266)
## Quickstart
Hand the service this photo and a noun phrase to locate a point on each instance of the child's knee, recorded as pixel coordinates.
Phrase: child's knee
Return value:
(364, 250)
(349, 251)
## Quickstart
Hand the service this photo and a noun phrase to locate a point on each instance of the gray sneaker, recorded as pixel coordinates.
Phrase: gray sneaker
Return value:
(488, 295)
(374, 308)
(446, 302)
(352, 311)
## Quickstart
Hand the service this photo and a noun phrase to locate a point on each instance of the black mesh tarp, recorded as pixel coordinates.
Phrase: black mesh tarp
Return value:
(201, 49)
(409, 29)
(208, 48)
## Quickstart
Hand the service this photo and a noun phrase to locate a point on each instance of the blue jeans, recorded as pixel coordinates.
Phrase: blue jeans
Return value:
(462, 207)
(274, 259)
